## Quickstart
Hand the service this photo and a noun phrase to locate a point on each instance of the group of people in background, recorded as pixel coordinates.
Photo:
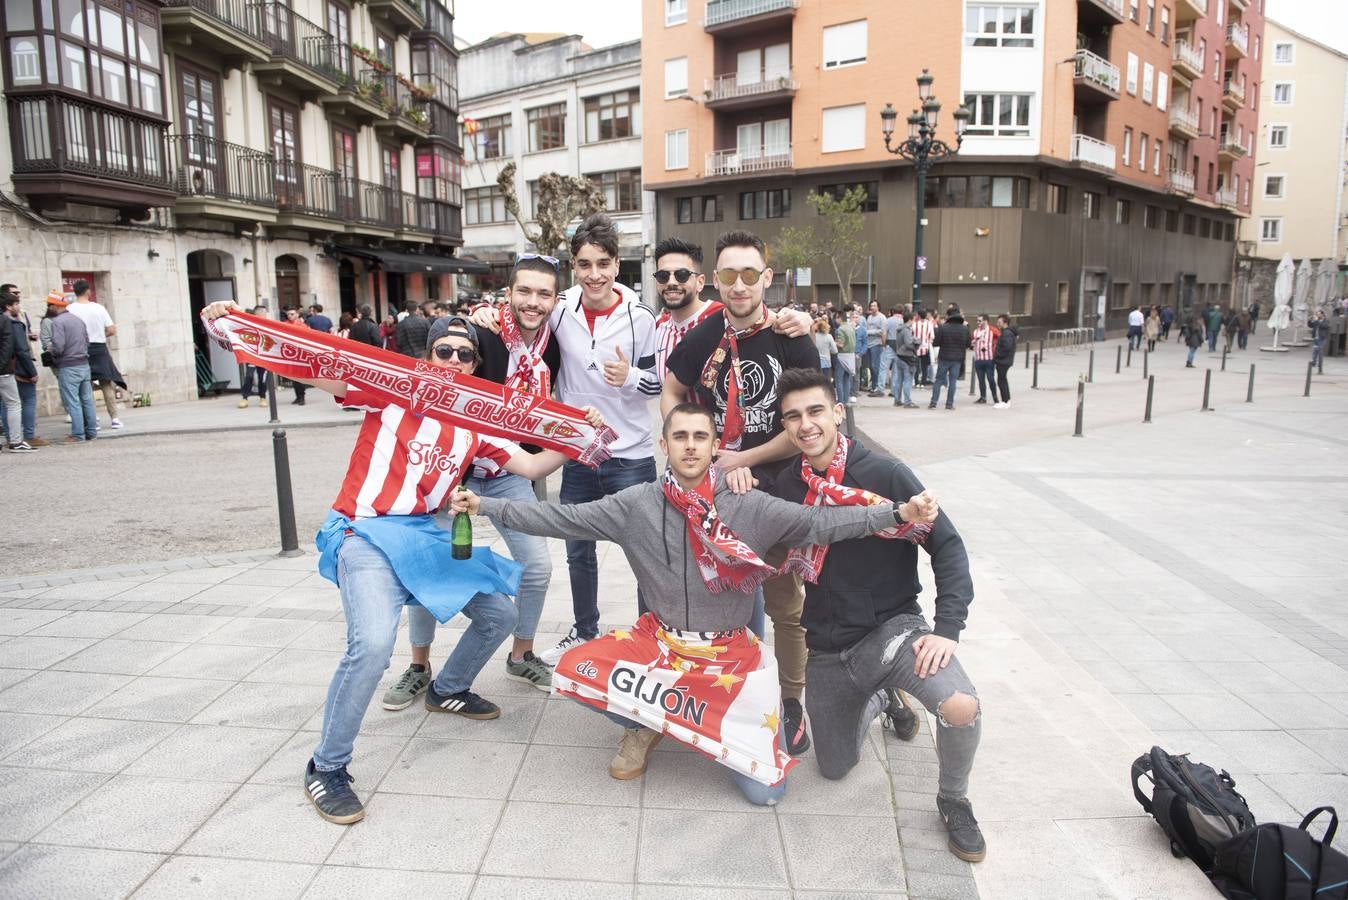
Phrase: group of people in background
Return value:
(72, 341)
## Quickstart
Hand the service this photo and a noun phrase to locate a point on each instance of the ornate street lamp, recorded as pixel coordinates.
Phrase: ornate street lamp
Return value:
(923, 149)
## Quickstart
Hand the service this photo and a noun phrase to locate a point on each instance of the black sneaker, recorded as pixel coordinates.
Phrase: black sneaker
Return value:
(331, 794)
(793, 720)
(464, 703)
(898, 716)
(965, 840)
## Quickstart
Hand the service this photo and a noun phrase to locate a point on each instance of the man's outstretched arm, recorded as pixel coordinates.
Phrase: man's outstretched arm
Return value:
(599, 520)
(798, 526)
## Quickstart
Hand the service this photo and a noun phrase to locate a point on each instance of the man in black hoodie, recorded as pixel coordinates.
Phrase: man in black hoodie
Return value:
(1004, 357)
(951, 339)
(865, 631)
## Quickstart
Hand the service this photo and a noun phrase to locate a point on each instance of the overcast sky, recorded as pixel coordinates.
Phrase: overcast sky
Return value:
(1324, 20)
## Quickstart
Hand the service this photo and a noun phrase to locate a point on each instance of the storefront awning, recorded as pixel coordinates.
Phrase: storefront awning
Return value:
(392, 261)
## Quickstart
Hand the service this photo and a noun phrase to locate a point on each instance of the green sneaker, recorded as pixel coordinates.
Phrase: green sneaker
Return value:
(406, 688)
(530, 670)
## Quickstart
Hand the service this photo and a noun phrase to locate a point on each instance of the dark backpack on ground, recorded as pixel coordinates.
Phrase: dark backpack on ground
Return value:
(1197, 807)
(1278, 862)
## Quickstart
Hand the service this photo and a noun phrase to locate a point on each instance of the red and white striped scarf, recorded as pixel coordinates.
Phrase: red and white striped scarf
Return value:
(828, 490)
(732, 429)
(531, 374)
(725, 562)
(423, 389)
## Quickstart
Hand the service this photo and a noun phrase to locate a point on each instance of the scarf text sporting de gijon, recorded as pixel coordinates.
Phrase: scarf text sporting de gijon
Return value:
(423, 389)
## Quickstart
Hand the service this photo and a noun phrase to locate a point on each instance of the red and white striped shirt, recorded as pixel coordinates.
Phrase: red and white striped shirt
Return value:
(984, 343)
(403, 464)
(668, 333)
(924, 330)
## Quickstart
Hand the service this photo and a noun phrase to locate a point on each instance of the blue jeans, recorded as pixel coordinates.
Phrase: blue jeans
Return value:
(901, 378)
(987, 378)
(77, 396)
(1213, 334)
(887, 357)
(755, 792)
(526, 549)
(581, 484)
(1193, 351)
(254, 382)
(1317, 349)
(1134, 337)
(372, 602)
(873, 362)
(842, 382)
(947, 373)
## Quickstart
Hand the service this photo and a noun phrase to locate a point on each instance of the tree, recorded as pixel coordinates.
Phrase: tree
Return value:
(795, 248)
(839, 239)
(561, 199)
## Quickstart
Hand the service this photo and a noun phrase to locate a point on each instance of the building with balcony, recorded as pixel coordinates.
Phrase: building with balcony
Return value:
(1300, 194)
(551, 103)
(178, 152)
(1079, 188)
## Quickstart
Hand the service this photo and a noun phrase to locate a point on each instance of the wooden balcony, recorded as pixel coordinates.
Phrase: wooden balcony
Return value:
(403, 15)
(304, 57)
(230, 30)
(358, 98)
(219, 180)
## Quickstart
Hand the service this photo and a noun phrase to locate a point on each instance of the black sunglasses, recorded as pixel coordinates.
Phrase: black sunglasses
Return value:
(465, 354)
(680, 275)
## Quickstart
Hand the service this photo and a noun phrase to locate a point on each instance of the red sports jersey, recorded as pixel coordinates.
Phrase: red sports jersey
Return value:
(404, 464)
(924, 330)
(984, 342)
(668, 333)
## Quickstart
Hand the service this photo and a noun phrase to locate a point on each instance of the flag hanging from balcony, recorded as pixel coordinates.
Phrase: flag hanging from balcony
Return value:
(471, 126)
(424, 389)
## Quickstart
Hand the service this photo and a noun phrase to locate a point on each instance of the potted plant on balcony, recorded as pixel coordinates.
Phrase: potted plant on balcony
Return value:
(418, 116)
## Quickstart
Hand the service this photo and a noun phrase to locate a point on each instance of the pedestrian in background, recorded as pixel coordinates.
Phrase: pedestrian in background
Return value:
(316, 320)
(70, 356)
(1004, 358)
(905, 363)
(1167, 319)
(875, 346)
(826, 345)
(254, 379)
(1243, 328)
(1135, 322)
(344, 323)
(1193, 337)
(99, 326)
(388, 331)
(365, 329)
(951, 341)
(1213, 321)
(412, 331)
(13, 353)
(1319, 334)
(845, 375)
(984, 342)
(1152, 329)
(924, 329)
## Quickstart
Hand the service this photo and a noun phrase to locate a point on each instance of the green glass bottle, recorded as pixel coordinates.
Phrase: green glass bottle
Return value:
(461, 536)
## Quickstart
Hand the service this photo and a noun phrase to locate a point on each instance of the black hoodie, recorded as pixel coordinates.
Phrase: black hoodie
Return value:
(952, 339)
(870, 580)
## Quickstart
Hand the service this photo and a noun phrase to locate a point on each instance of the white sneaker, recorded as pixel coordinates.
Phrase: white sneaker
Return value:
(1004, 405)
(115, 423)
(999, 405)
(553, 654)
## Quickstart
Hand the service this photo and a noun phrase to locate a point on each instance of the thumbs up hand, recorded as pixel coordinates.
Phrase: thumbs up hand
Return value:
(615, 372)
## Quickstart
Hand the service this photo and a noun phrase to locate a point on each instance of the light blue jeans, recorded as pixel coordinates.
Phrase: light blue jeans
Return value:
(887, 358)
(525, 549)
(372, 601)
(77, 396)
(901, 378)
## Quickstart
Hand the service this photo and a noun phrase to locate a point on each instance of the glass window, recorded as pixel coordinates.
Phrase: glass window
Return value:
(493, 137)
(1282, 92)
(676, 77)
(845, 44)
(872, 201)
(1057, 199)
(1090, 204)
(1277, 136)
(999, 25)
(612, 116)
(1282, 53)
(676, 12)
(19, 15)
(622, 189)
(998, 115)
(844, 128)
(774, 204)
(72, 18)
(73, 67)
(676, 149)
(1151, 217)
(1273, 185)
(547, 127)
(483, 206)
(1123, 212)
(24, 60)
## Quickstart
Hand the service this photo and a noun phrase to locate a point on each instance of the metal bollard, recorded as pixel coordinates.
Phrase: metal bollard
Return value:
(971, 379)
(271, 399)
(1090, 368)
(1224, 350)
(1081, 406)
(1041, 350)
(1027, 354)
(1310, 370)
(1207, 390)
(1249, 391)
(1151, 389)
(1130, 356)
(285, 497)
(1118, 359)
(851, 421)
(1035, 382)
(1146, 362)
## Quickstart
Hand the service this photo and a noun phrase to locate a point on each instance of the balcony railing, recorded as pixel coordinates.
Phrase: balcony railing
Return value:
(1098, 70)
(1229, 145)
(242, 16)
(51, 133)
(1186, 54)
(306, 190)
(398, 99)
(725, 87)
(1115, 5)
(1226, 197)
(748, 159)
(294, 37)
(209, 167)
(442, 91)
(721, 11)
(1184, 119)
(1234, 90)
(1238, 36)
(1178, 181)
(1093, 152)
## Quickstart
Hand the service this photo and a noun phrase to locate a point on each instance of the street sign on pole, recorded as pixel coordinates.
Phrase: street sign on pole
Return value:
(922, 264)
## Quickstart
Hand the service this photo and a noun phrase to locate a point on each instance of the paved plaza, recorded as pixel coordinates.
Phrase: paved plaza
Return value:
(1178, 582)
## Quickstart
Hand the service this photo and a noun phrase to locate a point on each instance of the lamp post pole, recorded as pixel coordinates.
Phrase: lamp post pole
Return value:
(922, 148)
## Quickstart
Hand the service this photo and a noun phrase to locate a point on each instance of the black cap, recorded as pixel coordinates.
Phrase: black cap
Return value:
(456, 325)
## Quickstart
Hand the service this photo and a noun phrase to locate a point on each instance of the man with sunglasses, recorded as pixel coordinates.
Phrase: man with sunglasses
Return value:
(732, 362)
(382, 547)
(678, 266)
(524, 357)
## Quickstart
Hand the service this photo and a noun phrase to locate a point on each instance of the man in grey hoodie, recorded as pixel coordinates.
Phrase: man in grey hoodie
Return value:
(654, 536)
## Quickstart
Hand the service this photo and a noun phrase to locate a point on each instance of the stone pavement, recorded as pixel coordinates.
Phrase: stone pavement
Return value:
(1172, 582)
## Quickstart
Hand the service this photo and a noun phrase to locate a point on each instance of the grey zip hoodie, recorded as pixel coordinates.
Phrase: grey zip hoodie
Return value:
(654, 538)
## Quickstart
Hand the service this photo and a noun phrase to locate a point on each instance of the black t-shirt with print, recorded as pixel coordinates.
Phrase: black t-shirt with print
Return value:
(763, 358)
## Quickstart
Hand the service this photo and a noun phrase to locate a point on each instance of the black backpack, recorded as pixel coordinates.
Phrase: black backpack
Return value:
(1278, 862)
(1197, 807)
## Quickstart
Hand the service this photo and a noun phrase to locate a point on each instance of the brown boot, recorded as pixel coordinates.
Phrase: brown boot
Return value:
(633, 753)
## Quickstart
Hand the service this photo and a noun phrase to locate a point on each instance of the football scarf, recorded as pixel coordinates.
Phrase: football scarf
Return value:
(732, 429)
(716, 692)
(725, 562)
(531, 374)
(828, 490)
(421, 388)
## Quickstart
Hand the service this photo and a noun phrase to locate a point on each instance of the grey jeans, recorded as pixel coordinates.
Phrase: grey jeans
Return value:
(841, 699)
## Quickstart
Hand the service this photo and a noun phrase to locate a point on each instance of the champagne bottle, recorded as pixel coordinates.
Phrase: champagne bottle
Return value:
(461, 535)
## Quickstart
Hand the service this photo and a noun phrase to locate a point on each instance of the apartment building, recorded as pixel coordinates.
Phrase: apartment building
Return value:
(1082, 185)
(551, 103)
(1300, 202)
(181, 152)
